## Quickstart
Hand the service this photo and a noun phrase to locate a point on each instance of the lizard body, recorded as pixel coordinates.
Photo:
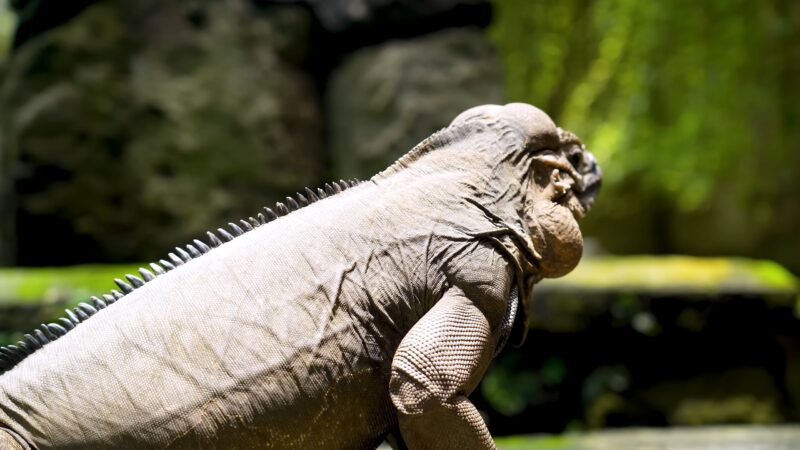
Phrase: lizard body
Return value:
(371, 312)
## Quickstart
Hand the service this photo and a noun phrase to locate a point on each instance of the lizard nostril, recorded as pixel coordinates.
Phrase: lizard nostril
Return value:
(575, 159)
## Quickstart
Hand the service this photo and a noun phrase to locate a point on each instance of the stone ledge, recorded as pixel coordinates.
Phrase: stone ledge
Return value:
(717, 437)
(676, 275)
(643, 291)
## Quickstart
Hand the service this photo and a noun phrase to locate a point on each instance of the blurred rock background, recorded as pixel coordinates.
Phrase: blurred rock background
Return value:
(155, 120)
(127, 127)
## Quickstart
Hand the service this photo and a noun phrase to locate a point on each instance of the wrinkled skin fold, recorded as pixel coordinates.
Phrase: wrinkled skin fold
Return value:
(369, 315)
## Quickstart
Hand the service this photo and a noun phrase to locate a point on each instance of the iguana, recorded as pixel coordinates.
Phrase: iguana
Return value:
(369, 313)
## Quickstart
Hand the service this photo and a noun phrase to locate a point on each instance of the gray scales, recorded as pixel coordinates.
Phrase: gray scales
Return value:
(364, 312)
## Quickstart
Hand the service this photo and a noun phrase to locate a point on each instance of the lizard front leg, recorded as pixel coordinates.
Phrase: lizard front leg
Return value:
(438, 363)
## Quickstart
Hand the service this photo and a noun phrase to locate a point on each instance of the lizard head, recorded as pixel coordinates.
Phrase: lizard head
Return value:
(560, 181)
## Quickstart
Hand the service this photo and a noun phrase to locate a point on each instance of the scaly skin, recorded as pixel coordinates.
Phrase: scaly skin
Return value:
(371, 312)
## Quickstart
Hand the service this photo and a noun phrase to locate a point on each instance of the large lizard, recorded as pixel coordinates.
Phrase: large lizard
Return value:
(369, 313)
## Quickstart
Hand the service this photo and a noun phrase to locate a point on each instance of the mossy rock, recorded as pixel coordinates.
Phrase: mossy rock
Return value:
(406, 90)
(627, 286)
(766, 438)
(136, 126)
(678, 275)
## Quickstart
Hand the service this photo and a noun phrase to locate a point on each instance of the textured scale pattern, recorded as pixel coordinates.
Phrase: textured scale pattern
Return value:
(369, 316)
(432, 377)
(11, 355)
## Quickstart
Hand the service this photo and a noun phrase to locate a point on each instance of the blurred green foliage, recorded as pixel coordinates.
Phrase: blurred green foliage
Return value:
(509, 388)
(8, 22)
(31, 296)
(72, 284)
(691, 108)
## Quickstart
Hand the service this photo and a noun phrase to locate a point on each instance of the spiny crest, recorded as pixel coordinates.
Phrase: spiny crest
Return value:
(435, 141)
(10, 355)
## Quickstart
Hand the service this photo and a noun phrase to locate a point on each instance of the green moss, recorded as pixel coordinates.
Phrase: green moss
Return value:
(679, 275)
(536, 443)
(31, 296)
(773, 274)
(8, 21)
(71, 284)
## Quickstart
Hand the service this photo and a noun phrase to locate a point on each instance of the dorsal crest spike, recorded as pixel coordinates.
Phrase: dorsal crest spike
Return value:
(157, 269)
(81, 314)
(136, 282)
(57, 329)
(225, 235)
(213, 239)
(72, 317)
(41, 337)
(98, 303)
(270, 214)
(87, 308)
(236, 231)
(282, 209)
(24, 347)
(32, 342)
(66, 323)
(10, 355)
(51, 336)
(183, 254)
(146, 274)
(193, 251)
(176, 261)
(312, 197)
(126, 288)
(201, 246)
(17, 350)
